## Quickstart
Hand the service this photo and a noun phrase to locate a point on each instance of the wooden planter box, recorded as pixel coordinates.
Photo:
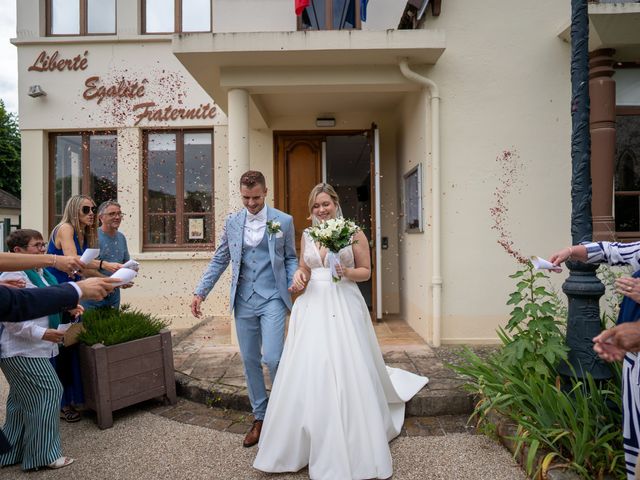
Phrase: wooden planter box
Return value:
(121, 375)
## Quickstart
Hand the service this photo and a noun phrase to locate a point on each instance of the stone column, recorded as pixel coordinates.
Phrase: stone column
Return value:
(238, 119)
(602, 125)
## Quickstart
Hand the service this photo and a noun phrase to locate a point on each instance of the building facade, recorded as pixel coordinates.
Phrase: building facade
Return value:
(164, 103)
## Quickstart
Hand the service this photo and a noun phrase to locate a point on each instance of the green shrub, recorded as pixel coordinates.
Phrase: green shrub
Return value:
(579, 422)
(109, 326)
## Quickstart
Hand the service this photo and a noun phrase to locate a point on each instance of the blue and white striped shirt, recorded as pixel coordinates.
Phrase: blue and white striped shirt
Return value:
(614, 253)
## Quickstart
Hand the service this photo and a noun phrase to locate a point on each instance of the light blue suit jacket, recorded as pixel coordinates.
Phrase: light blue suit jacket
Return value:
(282, 251)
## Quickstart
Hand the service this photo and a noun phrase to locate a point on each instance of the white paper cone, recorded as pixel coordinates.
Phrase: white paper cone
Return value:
(89, 255)
(125, 275)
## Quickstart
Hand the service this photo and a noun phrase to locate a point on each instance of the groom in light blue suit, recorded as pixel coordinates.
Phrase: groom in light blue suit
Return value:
(259, 241)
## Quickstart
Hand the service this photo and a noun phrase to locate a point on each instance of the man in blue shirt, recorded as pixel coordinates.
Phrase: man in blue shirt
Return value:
(113, 248)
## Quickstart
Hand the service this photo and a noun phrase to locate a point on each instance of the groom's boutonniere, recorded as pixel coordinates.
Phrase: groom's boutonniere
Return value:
(273, 228)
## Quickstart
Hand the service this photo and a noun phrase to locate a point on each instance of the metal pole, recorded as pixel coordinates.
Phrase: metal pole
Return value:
(583, 288)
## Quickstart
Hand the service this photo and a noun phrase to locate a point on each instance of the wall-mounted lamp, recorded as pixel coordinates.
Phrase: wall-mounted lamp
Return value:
(36, 91)
(325, 122)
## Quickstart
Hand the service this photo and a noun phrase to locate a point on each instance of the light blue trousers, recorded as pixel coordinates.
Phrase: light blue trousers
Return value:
(260, 329)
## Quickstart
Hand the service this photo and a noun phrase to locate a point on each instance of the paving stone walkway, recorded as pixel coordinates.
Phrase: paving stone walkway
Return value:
(233, 421)
(209, 369)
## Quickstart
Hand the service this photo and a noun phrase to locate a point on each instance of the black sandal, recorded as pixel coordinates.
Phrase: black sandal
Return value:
(68, 414)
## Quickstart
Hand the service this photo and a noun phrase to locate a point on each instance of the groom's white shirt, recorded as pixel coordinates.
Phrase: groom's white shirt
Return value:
(254, 226)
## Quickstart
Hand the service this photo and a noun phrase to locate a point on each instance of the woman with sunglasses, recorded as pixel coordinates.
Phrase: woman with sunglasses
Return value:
(32, 425)
(77, 231)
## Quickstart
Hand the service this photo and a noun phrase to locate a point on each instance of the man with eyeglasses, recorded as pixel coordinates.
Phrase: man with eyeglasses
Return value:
(113, 248)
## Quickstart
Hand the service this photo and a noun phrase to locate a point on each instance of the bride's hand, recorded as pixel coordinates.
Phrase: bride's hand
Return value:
(299, 281)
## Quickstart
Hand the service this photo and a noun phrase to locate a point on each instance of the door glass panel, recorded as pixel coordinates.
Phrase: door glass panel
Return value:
(103, 164)
(101, 16)
(65, 17)
(161, 173)
(196, 15)
(68, 171)
(159, 16)
(348, 171)
(197, 173)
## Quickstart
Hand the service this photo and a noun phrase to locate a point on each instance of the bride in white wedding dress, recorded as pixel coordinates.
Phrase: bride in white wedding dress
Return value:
(334, 405)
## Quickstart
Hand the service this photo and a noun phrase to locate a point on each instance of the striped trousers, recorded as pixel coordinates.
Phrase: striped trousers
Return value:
(32, 424)
(631, 412)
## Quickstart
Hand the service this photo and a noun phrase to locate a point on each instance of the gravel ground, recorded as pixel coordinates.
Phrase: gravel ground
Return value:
(142, 445)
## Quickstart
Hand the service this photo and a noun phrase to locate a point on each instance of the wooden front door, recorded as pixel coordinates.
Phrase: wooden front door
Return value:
(298, 169)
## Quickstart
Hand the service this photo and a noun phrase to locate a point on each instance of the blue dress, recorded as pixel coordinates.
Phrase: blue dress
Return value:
(67, 363)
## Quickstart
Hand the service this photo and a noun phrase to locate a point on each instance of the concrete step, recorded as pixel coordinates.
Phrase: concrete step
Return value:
(443, 395)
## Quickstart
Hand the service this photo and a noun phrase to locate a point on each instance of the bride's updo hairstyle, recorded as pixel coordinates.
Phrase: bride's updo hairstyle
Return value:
(317, 190)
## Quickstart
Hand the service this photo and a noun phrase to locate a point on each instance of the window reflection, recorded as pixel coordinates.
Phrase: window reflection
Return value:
(196, 15)
(159, 16)
(65, 17)
(68, 168)
(76, 154)
(161, 172)
(103, 165)
(101, 16)
(197, 172)
(627, 173)
(179, 166)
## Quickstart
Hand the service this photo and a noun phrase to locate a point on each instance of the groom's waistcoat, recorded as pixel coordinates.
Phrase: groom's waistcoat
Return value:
(256, 272)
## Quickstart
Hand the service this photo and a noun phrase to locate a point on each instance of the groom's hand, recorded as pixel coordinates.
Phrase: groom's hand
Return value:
(195, 306)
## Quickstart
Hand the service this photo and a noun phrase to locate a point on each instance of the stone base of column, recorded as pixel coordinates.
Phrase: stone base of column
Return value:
(583, 289)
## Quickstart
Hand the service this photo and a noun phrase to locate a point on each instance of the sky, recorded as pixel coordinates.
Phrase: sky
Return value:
(8, 56)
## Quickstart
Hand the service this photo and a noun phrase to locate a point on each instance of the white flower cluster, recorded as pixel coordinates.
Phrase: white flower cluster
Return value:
(335, 233)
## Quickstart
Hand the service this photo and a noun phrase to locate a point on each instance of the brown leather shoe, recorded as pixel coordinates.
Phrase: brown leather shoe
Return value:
(253, 435)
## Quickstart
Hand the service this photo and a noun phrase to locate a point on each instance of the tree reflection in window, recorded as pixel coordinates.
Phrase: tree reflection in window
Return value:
(627, 173)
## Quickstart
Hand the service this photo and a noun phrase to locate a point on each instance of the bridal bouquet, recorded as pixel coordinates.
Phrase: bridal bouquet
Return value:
(334, 234)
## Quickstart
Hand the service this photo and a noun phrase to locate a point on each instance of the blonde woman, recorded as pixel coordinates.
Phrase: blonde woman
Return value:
(77, 231)
(334, 406)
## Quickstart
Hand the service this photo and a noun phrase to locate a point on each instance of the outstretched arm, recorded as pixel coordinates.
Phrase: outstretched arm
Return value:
(216, 267)
(612, 253)
(17, 305)
(14, 262)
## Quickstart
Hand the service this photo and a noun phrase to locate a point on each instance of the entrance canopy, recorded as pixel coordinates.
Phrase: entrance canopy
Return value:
(612, 25)
(289, 73)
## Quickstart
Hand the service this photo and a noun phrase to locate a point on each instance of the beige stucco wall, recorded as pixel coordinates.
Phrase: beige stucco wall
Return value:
(415, 260)
(503, 85)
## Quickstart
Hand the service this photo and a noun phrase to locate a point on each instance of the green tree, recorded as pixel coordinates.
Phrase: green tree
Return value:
(9, 151)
